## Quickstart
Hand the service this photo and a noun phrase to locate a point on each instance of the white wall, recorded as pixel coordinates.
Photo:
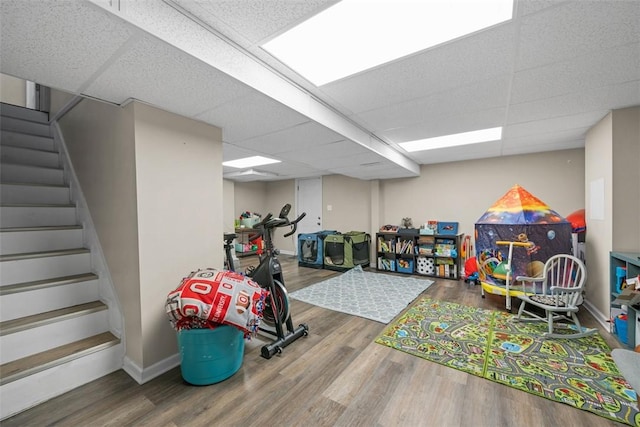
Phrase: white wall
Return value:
(350, 201)
(251, 197)
(463, 191)
(153, 185)
(13, 90)
(612, 156)
(228, 205)
(179, 187)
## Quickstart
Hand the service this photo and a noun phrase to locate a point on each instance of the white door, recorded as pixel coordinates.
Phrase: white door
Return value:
(309, 200)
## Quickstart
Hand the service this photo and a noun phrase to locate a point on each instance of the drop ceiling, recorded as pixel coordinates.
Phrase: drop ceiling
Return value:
(546, 77)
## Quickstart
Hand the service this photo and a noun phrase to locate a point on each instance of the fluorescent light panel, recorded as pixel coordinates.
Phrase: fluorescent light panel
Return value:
(249, 162)
(454, 140)
(355, 35)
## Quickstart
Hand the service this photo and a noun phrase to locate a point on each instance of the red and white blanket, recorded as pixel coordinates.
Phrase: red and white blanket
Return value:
(208, 298)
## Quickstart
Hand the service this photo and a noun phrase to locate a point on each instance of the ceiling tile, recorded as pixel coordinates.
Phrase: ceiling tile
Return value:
(298, 137)
(42, 41)
(467, 60)
(576, 28)
(254, 20)
(459, 101)
(251, 115)
(599, 100)
(578, 74)
(161, 75)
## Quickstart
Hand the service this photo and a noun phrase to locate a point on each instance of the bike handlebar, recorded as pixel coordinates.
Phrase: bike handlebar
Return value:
(294, 223)
(269, 222)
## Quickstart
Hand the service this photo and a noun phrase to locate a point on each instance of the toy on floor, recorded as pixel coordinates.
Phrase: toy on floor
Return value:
(471, 271)
(503, 270)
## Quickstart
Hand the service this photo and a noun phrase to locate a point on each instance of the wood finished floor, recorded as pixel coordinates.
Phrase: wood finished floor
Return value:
(336, 376)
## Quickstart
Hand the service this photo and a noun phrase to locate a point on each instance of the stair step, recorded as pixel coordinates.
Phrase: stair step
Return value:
(54, 331)
(35, 215)
(16, 111)
(19, 139)
(30, 365)
(39, 239)
(17, 268)
(34, 193)
(41, 284)
(43, 331)
(17, 325)
(25, 126)
(43, 254)
(15, 172)
(29, 156)
(47, 295)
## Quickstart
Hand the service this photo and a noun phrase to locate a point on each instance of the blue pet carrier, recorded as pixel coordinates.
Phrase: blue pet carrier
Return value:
(311, 248)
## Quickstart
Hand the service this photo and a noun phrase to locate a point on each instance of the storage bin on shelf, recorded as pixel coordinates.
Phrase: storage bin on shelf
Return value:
(209, 356)
(250, 222)
(405, 266)
(447, 228)
(621, 328)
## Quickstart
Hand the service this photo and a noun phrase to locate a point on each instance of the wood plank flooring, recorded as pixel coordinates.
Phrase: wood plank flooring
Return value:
(336, 376)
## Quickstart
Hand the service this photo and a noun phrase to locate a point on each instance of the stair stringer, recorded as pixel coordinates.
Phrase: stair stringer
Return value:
(98, 262)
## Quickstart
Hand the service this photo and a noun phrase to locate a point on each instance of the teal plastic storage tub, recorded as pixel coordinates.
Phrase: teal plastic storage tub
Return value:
(621, 329)
(209, 356)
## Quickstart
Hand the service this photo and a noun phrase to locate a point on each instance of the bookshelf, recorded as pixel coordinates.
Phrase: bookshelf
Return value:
(623, 266)
(408, 252)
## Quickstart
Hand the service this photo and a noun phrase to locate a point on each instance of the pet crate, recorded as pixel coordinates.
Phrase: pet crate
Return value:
(311, 248)
(345, 251)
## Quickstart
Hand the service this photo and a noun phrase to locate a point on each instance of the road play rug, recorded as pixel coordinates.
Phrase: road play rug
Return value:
(579, 372)
(375, 296)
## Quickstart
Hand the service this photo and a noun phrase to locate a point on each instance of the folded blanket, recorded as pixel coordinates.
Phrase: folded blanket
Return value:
(209, 297)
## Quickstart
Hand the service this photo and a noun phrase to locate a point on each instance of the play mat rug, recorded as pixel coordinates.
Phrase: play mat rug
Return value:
(578, 372)
(375, 296)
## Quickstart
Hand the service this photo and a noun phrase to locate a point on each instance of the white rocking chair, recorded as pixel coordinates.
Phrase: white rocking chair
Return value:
(558, 292)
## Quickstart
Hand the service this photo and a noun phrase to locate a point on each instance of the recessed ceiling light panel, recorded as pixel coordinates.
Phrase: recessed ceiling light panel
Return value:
(355, 35)
(454, 140)
(249, 162)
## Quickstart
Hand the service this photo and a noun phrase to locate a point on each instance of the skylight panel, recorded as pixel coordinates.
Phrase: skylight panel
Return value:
(454, 140)
(249, 162)
(356, 35)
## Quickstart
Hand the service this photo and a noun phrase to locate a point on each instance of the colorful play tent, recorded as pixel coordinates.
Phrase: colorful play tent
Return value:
(534, 231)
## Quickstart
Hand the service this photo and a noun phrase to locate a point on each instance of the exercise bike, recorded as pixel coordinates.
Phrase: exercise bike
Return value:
(268, 274)
(228, 244)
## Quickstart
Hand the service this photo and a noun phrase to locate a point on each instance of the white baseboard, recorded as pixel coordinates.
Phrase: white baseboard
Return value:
(600, 317)
(142, 376)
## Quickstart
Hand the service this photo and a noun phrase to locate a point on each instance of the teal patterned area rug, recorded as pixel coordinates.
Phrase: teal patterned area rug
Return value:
(374, 296)
(578, 372)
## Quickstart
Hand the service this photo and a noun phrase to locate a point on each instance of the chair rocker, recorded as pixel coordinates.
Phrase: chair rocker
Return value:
(558, 292)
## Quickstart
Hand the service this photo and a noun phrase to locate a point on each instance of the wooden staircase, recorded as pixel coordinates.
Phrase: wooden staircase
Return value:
(55, 329)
